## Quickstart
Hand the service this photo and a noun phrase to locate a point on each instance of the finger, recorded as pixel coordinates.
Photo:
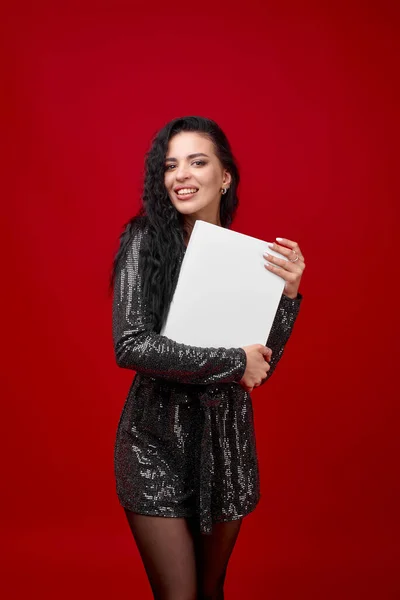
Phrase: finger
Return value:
(264, 350)
(292, 245)
(288, 273)
(289, 243)
(281, 262)
(269, 355)
(286, 252)
(246, 388)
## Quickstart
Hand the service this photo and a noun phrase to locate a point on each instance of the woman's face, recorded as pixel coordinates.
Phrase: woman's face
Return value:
(191, 164)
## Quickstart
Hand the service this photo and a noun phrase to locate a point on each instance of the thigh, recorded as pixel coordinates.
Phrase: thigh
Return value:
(167, 551)
(212, 554)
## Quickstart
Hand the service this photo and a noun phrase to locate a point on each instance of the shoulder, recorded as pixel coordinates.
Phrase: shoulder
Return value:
(139, 224)
(138, 228)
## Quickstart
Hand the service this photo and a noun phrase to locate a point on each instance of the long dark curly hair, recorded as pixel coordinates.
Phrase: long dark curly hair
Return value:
(162, 249)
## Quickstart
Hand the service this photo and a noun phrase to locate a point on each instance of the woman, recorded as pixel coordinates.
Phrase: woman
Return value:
(185, 455)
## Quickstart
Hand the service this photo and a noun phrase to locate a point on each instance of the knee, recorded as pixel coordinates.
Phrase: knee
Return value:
(216, 594)
(212, 589)
(176, 595)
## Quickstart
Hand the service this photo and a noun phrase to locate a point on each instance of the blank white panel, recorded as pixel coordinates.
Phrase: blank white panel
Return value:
(224, 296)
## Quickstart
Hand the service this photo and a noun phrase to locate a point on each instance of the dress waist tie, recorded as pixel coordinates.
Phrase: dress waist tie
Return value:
(208, 399)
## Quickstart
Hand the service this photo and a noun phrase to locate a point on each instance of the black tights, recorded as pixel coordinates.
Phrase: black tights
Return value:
(181, 563)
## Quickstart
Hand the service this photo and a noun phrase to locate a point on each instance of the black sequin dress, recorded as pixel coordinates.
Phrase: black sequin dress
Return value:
(185, 443)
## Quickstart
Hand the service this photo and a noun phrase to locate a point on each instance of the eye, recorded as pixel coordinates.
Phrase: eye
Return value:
(196, 162)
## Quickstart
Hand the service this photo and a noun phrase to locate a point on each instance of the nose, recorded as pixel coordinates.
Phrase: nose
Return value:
(181, 172)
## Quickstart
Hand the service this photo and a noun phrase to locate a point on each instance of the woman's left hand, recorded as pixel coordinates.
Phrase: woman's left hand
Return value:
(290, 270)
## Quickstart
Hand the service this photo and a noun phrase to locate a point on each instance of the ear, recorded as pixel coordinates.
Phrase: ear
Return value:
(227, 178)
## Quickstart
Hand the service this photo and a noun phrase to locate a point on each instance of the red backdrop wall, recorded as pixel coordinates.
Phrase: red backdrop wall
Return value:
(305, 93)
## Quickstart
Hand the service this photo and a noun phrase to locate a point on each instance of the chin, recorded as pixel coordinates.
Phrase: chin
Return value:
(188, 208)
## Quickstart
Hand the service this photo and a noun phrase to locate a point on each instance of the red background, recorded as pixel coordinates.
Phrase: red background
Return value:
(305, 93)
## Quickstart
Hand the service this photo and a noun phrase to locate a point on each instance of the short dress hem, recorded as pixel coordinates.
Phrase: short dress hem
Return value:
(188, 514)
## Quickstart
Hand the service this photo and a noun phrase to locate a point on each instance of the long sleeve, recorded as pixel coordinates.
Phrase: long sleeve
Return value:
(138, 347)
(281, 329)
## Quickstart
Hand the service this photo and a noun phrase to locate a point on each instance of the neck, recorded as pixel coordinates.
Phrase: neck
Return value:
(190, 220)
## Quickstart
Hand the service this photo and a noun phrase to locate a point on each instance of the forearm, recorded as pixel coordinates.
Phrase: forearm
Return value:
(158, 356)
(281, 329)
(137, 346)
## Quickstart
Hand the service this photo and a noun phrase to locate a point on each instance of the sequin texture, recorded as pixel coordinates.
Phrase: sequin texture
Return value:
(185, 443)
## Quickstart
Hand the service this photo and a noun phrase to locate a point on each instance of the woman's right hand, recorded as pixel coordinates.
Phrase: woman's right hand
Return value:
(257, 366)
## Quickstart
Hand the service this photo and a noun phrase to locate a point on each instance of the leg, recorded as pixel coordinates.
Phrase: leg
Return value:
(167, 551)
(213, 553)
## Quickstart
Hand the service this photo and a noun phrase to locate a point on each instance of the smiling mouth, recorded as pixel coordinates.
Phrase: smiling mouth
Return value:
(186, 193)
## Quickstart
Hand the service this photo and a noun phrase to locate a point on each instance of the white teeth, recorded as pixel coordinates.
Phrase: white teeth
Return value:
(186, 191)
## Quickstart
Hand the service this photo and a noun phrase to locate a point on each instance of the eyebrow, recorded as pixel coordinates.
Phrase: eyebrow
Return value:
(189, 156)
